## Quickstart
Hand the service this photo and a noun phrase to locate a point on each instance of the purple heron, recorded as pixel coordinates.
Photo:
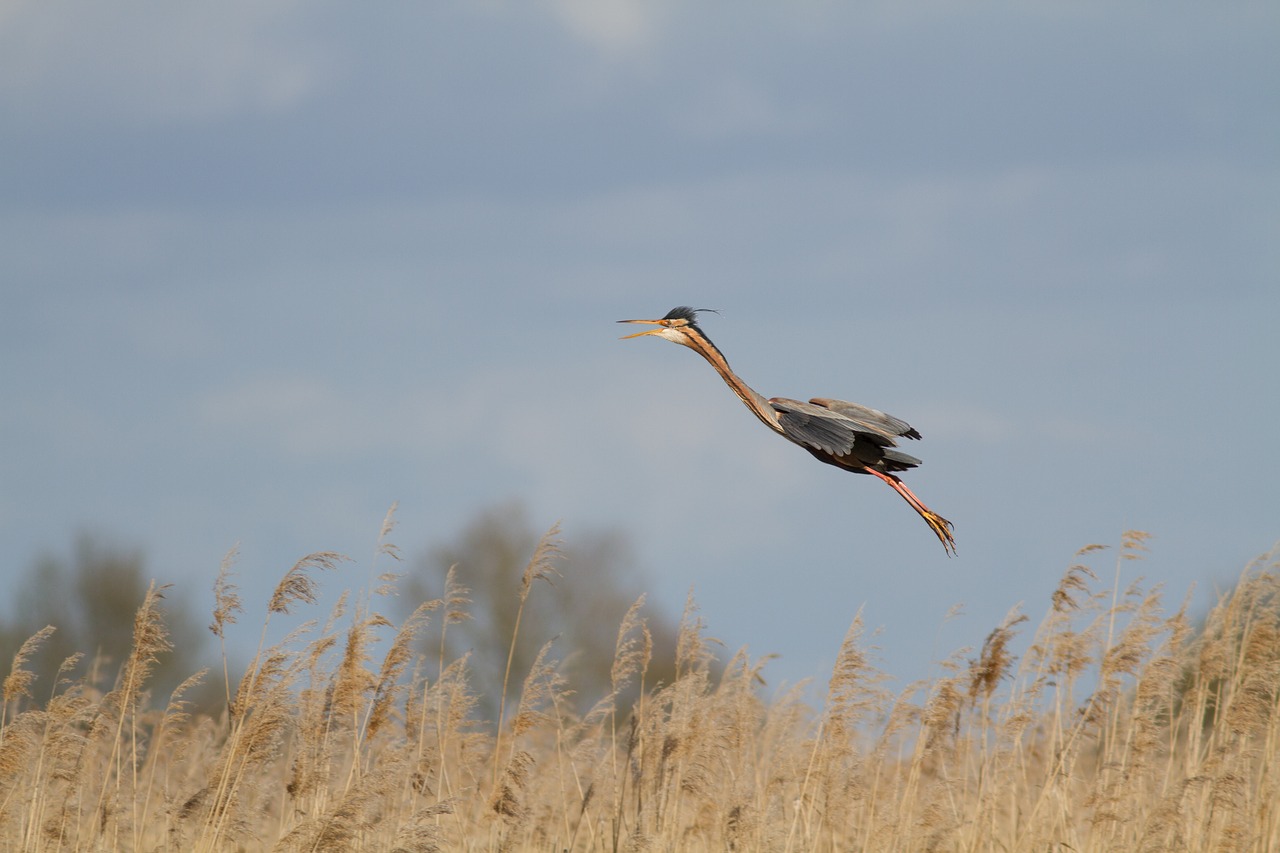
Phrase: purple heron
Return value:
(847, 435)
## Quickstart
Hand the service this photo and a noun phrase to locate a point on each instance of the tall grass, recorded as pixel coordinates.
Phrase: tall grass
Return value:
(1119, 726)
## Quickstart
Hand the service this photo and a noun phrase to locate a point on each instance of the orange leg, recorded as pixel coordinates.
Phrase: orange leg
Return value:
(939, 525)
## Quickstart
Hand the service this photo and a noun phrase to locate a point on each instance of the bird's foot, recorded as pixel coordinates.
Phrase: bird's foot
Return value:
(942, 529)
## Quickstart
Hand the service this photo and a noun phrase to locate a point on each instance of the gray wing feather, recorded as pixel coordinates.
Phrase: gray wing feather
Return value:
(872, 420)
(906, 460)
(822, 428)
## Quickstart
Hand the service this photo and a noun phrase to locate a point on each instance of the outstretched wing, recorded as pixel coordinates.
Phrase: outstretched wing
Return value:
(834, 427)
(818, 427)
(870, 419)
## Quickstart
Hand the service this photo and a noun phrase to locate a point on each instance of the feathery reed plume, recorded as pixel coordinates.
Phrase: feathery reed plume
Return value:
(256, 686)
(150, 639)
(311, 753)
(261, 719)
(353, 815)
(393, 666)
(854, 690)
(389, 524)
(20, 742)
(855, 694)
(353, 680)
(1076, 580)
(631, 657)
(508, 798)
(421, 833)
(18, 682)
(1125, 654)
(1133, 544)
(164, 751)
(297, 583)
(541, 566)
(386, 580)
(542, 685)
(630, 654)
(693, 652)
(939, 718)
(260, 713)
(227, 607)
(454, 703)
(226, 597)
(995, 661)
(442, 710)
(455, 600)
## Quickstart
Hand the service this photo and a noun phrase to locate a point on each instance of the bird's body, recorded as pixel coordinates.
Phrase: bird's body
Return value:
(847, 435)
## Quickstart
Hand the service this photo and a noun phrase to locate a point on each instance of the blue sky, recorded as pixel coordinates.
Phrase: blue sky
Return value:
(268, 268)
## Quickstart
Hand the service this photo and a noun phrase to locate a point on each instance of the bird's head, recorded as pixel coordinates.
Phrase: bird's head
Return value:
(679, 326)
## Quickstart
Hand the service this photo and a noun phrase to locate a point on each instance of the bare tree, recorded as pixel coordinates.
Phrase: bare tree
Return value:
(91, 599)
(578, 597)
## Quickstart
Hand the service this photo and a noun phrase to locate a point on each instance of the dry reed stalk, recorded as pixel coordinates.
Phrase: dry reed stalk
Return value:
(385, 548)
(219, 812)
(150, 639)
(48, 773)
(541, 690)
(837, 795)
(354, 681)
(259, 710)
(1232, 737)
(589, 760)
(227, 606)
(17, 683)
(541, 566)
(454, 745)
(20, 733)
(165, 748)
(1060, 656)
(1174, 746)
(454, 602)
(678, 720)
(390, 674)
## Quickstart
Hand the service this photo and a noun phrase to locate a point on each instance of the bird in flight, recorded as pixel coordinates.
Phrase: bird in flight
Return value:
(847, 435)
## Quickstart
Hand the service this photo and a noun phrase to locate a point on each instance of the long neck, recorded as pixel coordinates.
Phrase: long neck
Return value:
(758, 405)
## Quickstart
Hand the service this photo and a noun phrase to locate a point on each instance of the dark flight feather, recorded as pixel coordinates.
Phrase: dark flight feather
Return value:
(872, 419)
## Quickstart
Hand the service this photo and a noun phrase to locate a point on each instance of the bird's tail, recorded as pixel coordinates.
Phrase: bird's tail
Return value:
(939, 525)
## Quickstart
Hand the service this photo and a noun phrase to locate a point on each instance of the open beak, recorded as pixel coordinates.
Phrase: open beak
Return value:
(645, 332)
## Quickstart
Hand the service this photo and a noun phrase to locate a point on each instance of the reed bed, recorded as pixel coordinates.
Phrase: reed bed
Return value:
(1114, 725)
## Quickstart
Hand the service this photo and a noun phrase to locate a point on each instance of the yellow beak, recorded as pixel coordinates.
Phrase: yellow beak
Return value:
(645, 332)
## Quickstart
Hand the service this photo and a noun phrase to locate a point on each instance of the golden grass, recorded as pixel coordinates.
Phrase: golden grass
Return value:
(1120, 727)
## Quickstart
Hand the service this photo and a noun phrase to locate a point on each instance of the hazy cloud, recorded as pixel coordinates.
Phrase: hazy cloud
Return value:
(156, 62)
(611, 26)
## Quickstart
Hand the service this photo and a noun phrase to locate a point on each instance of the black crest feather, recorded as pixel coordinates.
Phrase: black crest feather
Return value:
(689, 315)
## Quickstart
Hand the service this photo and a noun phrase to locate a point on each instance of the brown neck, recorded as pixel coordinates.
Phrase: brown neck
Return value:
(758, 405)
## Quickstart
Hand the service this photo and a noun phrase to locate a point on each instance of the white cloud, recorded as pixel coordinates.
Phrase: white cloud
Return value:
(611, 26)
